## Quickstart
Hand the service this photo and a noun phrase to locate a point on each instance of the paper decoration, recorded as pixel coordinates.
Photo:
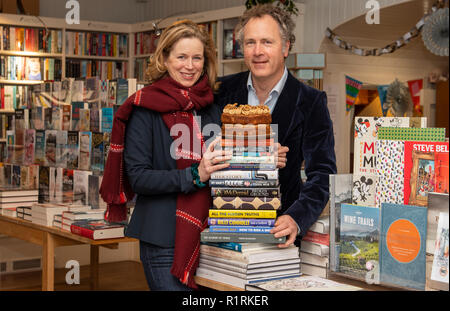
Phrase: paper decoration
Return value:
(382, 89)
(352, 88)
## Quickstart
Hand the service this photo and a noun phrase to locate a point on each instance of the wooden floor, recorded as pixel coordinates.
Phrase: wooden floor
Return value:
(116, 276)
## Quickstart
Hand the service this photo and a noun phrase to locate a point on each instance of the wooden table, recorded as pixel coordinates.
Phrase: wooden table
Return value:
(50, 238)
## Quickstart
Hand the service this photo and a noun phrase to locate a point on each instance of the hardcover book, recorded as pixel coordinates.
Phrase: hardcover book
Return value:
(75, 122)
(61, 149)
(359, 256)
(439, 270)
(240, 229)
(97, 163)
(402, 247)
(245, 192)
(240, 222)
(243, 183)
(95, 120)
(437, 203)
(56, 118)
(66, 117)
(19, 146)
(122, 91)
(97, 229)
(207, 236)
(85, 120)
(246, 203)
(93, 195)
(39, 148)
(56, 185)
(37, 118)
(67, 185)
(50, 147)
(30, 137)
(237, 175)
(80, 187)
(72, 149)
(85, 151)
(107, 119)
(44, 184)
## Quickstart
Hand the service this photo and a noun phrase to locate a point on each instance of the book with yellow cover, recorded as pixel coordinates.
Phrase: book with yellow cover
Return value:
(243, 213)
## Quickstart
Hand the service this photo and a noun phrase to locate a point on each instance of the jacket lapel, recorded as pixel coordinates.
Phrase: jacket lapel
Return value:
(285, 109)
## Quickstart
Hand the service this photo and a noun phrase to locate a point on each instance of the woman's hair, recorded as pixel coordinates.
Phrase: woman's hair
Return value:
(282, 17)
(179, 30)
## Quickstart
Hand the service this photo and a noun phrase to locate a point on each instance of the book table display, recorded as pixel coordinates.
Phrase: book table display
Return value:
(50, 238)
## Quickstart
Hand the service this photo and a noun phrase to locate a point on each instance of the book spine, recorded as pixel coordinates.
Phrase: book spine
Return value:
(240, 222)
(251, 166)
(247, 159)
(253, 175)
(242, 214)
(242, 150)
(240, 229)
(315, 237)
(225, 245)
(82, 231)
(240, 237)
(243, 183)
(245, 192)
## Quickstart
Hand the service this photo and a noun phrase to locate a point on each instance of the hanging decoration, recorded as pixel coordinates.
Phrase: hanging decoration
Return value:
(400, 42)
(398, 99)
(352, 87)
(435, 32)
(382, 90)
(415, 86)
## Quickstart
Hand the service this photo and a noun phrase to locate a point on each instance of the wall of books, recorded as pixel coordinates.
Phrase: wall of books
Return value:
(389, 219)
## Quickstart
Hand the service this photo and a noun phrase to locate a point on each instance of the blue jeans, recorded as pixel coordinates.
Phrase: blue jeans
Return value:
(157, 262)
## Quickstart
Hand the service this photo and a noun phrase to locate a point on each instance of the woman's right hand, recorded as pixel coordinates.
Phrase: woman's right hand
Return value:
(212, 160)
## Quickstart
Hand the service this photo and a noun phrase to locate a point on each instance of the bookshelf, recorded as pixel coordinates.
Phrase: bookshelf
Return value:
(308, 68)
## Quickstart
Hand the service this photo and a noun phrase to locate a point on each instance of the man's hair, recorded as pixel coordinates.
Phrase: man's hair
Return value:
(182, 29)
(282, 17)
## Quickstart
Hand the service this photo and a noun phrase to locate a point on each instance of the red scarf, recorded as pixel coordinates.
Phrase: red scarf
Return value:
(175, 103)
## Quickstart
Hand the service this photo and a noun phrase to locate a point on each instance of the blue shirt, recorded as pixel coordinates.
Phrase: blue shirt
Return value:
(271, 100)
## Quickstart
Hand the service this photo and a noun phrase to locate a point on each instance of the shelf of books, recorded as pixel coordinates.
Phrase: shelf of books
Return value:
(389, 219)
(308, 68)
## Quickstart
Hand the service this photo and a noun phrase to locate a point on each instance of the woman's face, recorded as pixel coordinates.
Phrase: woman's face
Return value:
(185, 61)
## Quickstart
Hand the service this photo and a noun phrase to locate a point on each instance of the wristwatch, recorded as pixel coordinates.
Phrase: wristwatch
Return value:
(196, 177)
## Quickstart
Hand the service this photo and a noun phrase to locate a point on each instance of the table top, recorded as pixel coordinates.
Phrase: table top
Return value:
(63, 233)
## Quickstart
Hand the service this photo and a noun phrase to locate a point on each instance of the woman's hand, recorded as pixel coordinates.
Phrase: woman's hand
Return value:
(281, 155)
(212, 161)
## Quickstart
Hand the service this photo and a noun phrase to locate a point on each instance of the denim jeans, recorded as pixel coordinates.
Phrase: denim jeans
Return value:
(157, 262)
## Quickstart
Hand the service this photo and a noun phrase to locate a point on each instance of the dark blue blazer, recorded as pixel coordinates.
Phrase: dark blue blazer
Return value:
(304, 125)
(153, 174)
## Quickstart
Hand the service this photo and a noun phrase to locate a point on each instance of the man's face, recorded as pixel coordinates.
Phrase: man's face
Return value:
(264, 49)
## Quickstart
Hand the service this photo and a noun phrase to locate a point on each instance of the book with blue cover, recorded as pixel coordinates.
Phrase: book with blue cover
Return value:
(107, 119)
(403, 245)
(359, 242)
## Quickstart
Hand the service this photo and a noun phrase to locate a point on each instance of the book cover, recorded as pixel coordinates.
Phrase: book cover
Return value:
(103, 93)
(112, 86)
(237, 175)
(240, 222)
(122, 91)
(44, 184)
(10, 146)
(364, 189)
(97, 163)
(66, 112)
(75, 122)
(402, 245)
(243, 183)
(16, 176)
(50, 147)
(56, 185)
(19, 146)
(61, 149)
(359, 242)
(439, 270)
(48, 123)
(80, 187)
(419, 173)
(33, 175)
(94, 120)
(246, 203)
(106, 143)
(85, 151)
(77, 90)
(240, 229)
(340, 192)
(94, 188)
(245, 192)
(437, 203)
(390, 167)
(37, 118)
(56, 117)
(39, 148)
(85, 120)
(67, 185)
(72, 149)
(91, 92)
(107, 119)
(30, 137)
(207, 236)
(302, 283)
(321, 238)
(441, 170)
(97, 229)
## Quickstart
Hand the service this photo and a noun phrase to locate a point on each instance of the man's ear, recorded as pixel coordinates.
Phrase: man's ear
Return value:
(287, 45)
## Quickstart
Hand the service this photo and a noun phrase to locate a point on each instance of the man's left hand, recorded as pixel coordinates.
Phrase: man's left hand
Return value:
(285, 226)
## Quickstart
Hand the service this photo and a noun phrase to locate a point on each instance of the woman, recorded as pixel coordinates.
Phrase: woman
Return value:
(168, 176)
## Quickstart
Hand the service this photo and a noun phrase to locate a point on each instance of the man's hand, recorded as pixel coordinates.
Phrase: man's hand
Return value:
(285, 226)
(281, 155)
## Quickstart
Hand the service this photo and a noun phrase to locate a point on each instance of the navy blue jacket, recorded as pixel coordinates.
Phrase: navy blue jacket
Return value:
(153, 174)
(304, 125)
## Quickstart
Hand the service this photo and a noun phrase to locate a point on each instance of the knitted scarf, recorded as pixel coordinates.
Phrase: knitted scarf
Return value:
(175, 103)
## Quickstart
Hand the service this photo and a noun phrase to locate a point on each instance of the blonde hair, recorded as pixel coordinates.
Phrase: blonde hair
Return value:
(179, 30)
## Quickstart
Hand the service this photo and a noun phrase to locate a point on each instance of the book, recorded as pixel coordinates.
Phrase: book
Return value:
(67, 185)
(246, 203)
(437, 203)
(233, 264)
(251, 159)
(66, 117)
(313, 259)
(207, 236)
(240, 222)
(241, 247)
(97, 229)
(320, 238)
(94, 195)
(411, 133)
(84, 162)
(72, 149)
(30, 137)
(50, 147)
(44, 184)
(94, 124)
(243, 213)
(17, 192)
(91, 214)
(240, 229)
(402, 245)
(245, 192)
(39, 148)
(107, 119)
(121, 91)
(75, 115)
(439, 270)
(61, 149)
(359, 242)
(85, 120)
(340, 192)
(253, 175)
(56, 185)
(243, 183)
(322, 225)
(251, 166)
(314, 248)
(302, 283)
(97, 160)
(309, 269)
(419, 174)
(80, 186)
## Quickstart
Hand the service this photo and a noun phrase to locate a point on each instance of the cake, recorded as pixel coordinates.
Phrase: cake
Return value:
(246, 114)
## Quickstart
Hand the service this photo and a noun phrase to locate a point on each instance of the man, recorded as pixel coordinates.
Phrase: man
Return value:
(305, 129)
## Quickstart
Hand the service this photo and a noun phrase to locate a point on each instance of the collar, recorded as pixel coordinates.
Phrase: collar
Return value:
(277, 88)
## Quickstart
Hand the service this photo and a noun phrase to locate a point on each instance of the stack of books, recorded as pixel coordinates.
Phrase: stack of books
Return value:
(67, 218)
(314, 248)
(240, 264)
(98, 229)
(44, 213)
(11, 198)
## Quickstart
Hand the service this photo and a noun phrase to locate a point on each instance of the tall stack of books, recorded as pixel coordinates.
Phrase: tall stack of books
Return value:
(11, 198)
(67, 218)
(246, 195)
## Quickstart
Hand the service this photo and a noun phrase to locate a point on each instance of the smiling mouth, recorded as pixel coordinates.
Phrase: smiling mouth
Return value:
(187, 75)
